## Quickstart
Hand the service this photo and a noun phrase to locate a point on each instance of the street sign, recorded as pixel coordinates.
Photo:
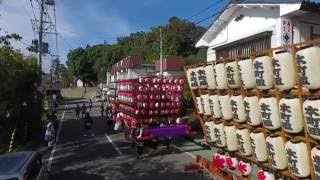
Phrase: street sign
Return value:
(286, 31)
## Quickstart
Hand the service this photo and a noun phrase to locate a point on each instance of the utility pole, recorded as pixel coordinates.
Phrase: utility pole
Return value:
(40, 37)
(161, 60)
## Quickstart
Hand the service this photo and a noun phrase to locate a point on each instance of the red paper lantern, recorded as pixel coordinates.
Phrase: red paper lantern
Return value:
(166, 112)
(155, 80)
(141, 80)
(152, 89)
(145, 105)
(176, 111)
(139, 97)
(162, 104)
(164, 81)
(168, 104)
(151, 105)
(156, 112)
(137, 112)
(160, 81)
(152, 97)
(150, 112)
(163, 96)
(161, 112)
(156, 105)
(181, 81)
(158, 97)
(171, 111)
(176, 81)
(178, 120)
(147, 80)
(170, 80)
(140, 88)
(145, 97)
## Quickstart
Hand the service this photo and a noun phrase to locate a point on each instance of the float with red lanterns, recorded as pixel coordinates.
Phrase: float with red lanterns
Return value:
(155, 103)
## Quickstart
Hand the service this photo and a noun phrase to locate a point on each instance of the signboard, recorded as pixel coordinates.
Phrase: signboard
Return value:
(286, 31)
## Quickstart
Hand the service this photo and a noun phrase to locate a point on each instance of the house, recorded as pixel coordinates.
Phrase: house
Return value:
(254, 25)
(172, 66)
(129, 68)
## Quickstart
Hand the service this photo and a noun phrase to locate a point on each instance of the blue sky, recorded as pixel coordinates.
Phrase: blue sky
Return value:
(82, 22)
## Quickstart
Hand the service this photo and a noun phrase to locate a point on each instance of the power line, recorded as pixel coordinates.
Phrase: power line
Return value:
(219, 12)
(65, 41)
(205, 9)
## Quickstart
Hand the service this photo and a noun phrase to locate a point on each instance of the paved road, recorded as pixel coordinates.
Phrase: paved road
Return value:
(76, 157)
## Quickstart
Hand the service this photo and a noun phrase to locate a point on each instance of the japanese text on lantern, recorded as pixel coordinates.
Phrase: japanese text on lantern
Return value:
(259, 72)
(208, 132)
(217, 135)
(247, 111)
(240, 75)
(193, 79)
(266, 114)
(313, 118)
(215, 76)
(211, 106)
(230, 75)
(292, 161)
(302, 69)
(253, 146)
(202, 77)
(276, 72)
(316, 165)
(285, 115)
(241, 143)
(271, 151)
(234, 108)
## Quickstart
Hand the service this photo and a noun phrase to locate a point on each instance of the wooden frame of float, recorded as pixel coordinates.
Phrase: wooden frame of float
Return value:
(297, 92)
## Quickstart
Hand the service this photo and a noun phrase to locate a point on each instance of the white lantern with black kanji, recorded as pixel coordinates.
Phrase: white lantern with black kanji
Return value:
(199, 105)
(221, 76)
(269, 112)
(308, 61)
(192, 78)
(298, 158)
(209, 128)
(215, 106)
(276, 152)
(311, 110)
(244, 141)
(291, 115)
(263, 72)
(232, 74)
(206, 104)
(231, 137)
(258, 145)
(211, 80)
(315, 155)
(237, 107)
(225, 105)
(219, 134)
(252, 110)
(283, 70)
(202, 77)
(246, 73)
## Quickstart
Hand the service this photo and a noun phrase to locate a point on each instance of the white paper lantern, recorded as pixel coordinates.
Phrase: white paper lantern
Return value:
(251, 106)
(263, 72)
(269, 112)
(192, 78)
(244, 168)
(199, 105)
(206, 104)
(210, 131)
(237, 106)
(291, 115)
(284, 71)
(225, 107)
(231, 137)
(308, 61)
(311, 109)
(244, 141)
(232, 162)
(265, 175)
(202, 77)
(276, 152)
(246, 72)
(232, 74)
(219, 134)
(221, 76)
(219, 161)
(259, 146)
(298, 158)
(210, 77)
(215, 106)
(315, 154)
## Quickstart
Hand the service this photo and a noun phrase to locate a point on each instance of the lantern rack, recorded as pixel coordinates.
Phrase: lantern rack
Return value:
(298, 91)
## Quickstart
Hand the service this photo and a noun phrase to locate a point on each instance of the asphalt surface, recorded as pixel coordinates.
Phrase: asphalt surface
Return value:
(78, 157)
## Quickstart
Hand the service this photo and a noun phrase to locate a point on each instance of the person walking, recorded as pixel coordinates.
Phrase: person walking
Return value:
(88, 123)
(102, 109)
(83, 110)
(90, 104)
(77, 110)
(109, 120)
(139, 133)
(50, 134)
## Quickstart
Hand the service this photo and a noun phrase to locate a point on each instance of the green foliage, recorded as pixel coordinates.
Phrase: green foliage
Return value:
(179, 36)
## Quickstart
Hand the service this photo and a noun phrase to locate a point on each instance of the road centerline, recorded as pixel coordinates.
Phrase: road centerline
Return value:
(113, 144)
